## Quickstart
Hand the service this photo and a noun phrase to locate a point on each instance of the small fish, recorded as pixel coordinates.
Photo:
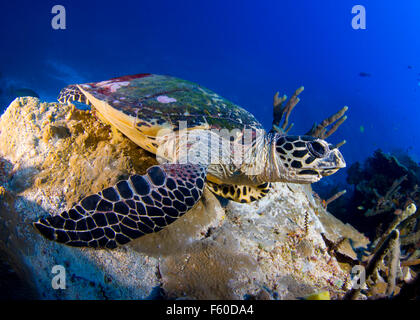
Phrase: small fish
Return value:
(410, 67)
(364, 74)
(322, 295)
(360, 208)
(362, 129)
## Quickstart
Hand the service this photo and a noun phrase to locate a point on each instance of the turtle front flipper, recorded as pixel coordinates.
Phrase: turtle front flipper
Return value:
(130, 209)
(240, 193)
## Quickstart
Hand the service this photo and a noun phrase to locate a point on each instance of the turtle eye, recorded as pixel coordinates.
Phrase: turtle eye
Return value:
(317, 149)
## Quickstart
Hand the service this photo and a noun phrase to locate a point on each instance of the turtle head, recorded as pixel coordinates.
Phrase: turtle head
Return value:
(305, 159)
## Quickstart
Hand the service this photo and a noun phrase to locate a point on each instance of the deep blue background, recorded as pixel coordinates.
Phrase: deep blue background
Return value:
(244, 50)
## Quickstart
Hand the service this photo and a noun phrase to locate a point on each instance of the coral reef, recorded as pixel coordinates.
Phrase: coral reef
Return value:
(383, 204)
(387, 275)
(386, 262)
(270, 249)
(390, 245)
(383, 187)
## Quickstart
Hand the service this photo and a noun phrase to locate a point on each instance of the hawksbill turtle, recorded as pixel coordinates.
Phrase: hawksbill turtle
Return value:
(200, 139)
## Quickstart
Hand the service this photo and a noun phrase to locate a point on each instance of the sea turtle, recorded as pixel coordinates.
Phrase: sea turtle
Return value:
(200, 139)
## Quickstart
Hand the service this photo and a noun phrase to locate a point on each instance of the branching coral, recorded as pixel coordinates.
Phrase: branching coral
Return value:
(317, 130)
(410, 210)
(408, 263)
(325, 203)
(279, 110)
(412, 238)
(320, 130)
(394, 267)
(410, 290)
(383, 187)
(372, 268)
(383, 205)
(386, 255)
(387, 202)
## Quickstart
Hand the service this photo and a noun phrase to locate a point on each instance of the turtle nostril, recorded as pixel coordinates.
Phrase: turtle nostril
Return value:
(340, 160)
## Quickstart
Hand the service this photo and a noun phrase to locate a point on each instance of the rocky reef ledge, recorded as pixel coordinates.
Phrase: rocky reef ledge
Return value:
(281, 247)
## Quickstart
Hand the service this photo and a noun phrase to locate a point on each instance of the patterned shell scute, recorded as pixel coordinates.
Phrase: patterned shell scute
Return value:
(159, 100)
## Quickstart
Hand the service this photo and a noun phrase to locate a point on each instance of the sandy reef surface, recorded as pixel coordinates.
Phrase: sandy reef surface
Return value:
(53, 155)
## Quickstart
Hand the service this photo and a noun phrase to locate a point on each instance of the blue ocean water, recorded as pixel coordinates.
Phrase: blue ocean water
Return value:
(244, 50)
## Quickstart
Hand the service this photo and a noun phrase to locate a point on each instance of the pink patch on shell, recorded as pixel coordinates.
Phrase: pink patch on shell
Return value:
(105, 86)
(165, 99)
(115, 86)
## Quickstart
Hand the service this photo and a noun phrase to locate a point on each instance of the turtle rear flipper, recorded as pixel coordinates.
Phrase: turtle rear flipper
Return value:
(71, 94)
(130, 209)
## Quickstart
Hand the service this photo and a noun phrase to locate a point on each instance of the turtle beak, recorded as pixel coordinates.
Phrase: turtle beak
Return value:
(332, 163)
